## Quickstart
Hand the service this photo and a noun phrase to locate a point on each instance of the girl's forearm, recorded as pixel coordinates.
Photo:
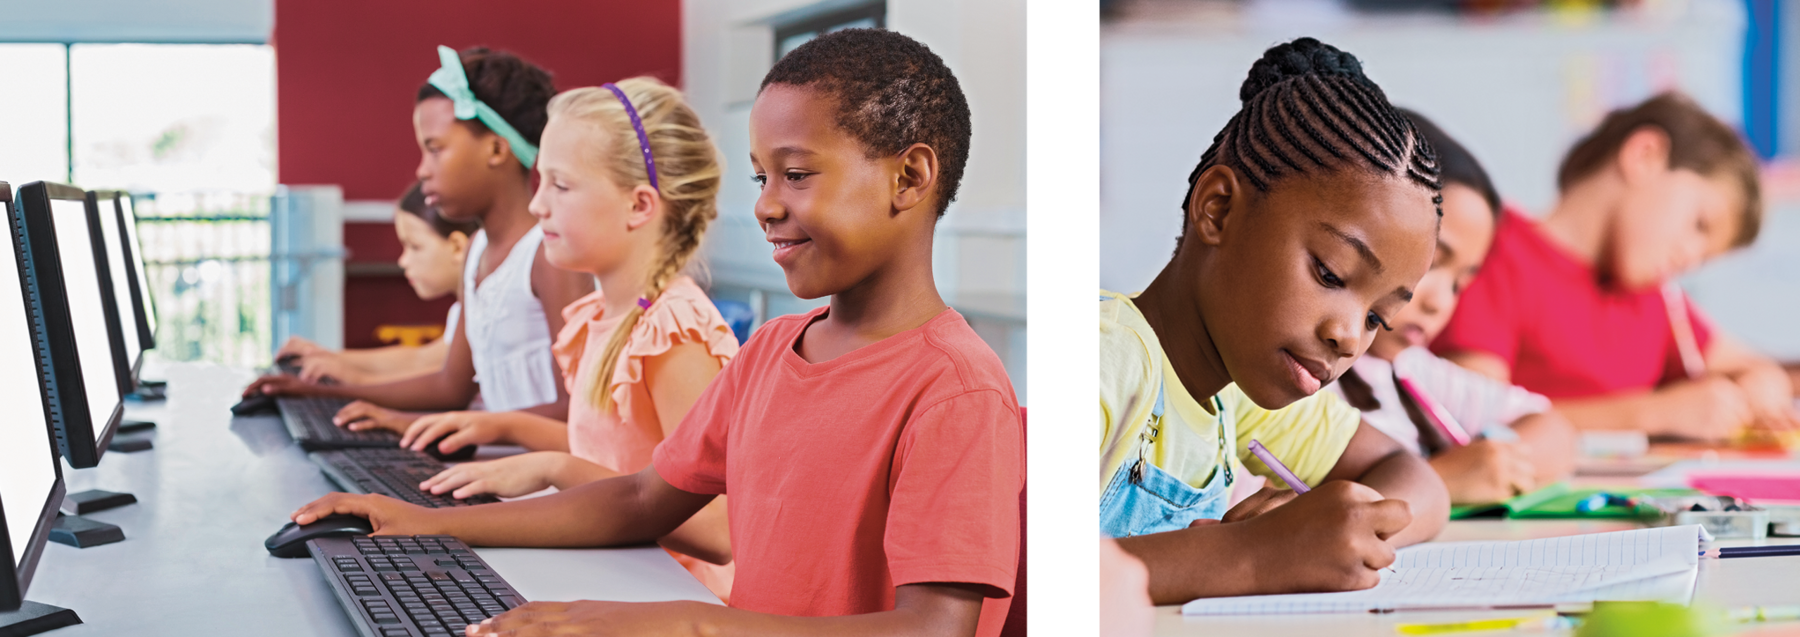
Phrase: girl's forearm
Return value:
(573, 472)
(535, 432)
(1196, 562)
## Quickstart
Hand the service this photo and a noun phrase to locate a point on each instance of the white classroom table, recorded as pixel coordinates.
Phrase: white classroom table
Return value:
(1724, 583)
(213, 488)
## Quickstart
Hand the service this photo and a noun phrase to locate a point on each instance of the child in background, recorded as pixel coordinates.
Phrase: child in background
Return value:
(476, 166)
(1581, 306)
(1306, 226)
(637, 352)
(1490, 469)
(871, 447)
(432, 249)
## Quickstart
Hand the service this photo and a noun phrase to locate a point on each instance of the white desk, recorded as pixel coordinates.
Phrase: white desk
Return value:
(1722, 583)
(214, 487)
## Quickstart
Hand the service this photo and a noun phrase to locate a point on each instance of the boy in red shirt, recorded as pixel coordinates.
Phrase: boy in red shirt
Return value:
(1578, 307)
(872, 448)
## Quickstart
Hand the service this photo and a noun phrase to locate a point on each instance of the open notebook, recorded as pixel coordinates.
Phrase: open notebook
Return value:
(1642, 565)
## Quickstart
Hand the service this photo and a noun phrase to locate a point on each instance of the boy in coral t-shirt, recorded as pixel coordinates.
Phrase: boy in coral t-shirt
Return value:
(872, 448)
(1577, 307)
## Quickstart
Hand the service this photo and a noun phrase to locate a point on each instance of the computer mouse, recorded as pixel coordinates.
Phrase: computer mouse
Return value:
(254, 404)
(462, 453)
(290, 541)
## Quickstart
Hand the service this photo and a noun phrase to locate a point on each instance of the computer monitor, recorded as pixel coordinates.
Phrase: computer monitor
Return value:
(63, 262)
(31, 482)
(116, 279)
(144, 305)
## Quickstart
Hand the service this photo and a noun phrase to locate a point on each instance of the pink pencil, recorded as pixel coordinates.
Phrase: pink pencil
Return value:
(1436, 413)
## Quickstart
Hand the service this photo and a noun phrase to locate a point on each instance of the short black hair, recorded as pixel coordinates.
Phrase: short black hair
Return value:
(413, 202)
(1456, 165)
(516, 89)
(892, 92)
(1307, 106)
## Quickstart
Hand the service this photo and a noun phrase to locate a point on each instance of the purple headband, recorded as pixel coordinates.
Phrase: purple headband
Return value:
(638, 124)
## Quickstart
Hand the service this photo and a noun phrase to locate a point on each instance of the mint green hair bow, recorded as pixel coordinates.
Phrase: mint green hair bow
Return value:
(454, 83)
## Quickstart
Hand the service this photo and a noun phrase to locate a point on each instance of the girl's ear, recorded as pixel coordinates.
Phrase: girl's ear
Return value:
(499, 151)
(459, 243)
(1210, 206)
(646, 206)
(1643, 155)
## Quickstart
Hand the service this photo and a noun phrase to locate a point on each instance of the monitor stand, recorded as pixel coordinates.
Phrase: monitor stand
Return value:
(134, 426)
(95, 500)
(150, 390)
(129, 445)
(33, 618)
(82, 533)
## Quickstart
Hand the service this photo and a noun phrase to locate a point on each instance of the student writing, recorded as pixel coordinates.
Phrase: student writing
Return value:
(1306, 226)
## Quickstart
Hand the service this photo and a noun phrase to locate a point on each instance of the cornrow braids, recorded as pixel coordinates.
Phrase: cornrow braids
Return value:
(688, 174)
(1307, 108)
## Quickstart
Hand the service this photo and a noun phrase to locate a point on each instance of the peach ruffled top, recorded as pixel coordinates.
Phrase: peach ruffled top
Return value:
(624, 441)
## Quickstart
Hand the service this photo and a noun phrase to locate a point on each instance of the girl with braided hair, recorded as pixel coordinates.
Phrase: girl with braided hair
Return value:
(628, 187)
(1306, 225)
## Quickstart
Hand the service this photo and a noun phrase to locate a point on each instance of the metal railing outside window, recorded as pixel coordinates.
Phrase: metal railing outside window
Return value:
(206, 255)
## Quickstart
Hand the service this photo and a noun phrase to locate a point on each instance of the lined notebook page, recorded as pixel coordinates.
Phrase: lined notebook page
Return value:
(1644, 564)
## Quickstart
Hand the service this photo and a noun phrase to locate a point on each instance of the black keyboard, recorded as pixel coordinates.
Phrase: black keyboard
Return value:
(308, 420)
(411, 585)
(393, 472)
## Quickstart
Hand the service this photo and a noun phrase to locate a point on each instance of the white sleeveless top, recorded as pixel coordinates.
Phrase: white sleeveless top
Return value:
(504, 324)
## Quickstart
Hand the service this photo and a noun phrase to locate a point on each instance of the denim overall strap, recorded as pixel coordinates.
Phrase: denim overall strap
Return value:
(1142, 498)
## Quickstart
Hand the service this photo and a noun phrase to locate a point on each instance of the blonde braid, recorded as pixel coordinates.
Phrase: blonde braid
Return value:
(688, 170)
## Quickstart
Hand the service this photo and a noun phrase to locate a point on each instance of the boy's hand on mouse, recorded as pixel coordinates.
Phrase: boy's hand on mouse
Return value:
(1333, 538)
(386, 515)
(1712, 408)
(363, 415)
(508, 477)
(1485, 471)
(463, 428)
(592, 618)
(1263, 501)
(297, 346)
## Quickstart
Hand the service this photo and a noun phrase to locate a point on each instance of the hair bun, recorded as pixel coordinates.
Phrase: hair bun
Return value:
(1304, 56)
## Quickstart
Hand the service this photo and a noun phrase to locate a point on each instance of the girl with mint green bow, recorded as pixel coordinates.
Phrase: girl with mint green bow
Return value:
(477, 121)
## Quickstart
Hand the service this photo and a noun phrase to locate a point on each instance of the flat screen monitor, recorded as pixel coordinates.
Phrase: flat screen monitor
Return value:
(116, 280)
(144, 306)
(31, 484)
(63, 267)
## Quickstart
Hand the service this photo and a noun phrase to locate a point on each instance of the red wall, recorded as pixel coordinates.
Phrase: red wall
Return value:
(346, 72)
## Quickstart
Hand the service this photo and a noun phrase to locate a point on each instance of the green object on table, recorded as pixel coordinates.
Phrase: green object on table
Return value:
(1649, 619)
(1509, 507)
(1559, 500)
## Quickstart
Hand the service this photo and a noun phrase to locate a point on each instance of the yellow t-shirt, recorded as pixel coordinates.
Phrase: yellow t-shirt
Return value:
(1308, 435)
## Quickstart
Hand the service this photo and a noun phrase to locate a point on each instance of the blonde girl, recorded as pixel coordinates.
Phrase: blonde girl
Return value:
(628, 187)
